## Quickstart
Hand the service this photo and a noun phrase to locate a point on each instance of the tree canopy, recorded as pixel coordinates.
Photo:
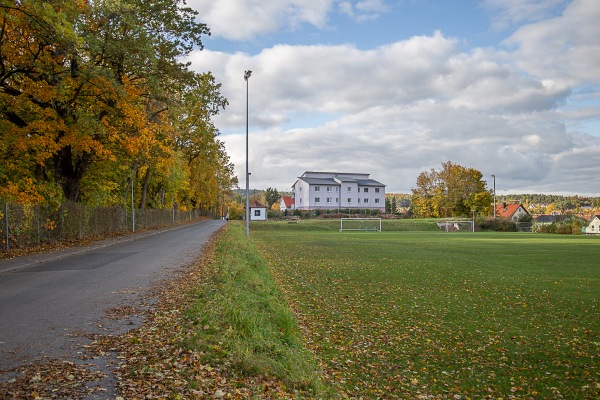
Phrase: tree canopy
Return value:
(450, 192)
(272, 196)
(94, 97)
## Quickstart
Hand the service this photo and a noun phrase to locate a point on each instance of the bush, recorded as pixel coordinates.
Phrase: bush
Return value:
(568, 226)
(497, 225)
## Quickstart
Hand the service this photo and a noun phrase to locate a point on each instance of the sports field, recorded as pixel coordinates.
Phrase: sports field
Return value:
(412, 312)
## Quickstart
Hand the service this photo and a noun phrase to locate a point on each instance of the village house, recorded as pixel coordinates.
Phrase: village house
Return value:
(594, 226)
(514, 212)
(337, 190)
(286, 203)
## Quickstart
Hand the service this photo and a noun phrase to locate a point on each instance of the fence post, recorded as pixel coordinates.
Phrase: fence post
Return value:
(6, 220)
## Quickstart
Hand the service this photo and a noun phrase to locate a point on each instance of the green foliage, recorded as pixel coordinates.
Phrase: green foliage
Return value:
(566, 226)
(272, 196)
(432, 315)
(497, 224)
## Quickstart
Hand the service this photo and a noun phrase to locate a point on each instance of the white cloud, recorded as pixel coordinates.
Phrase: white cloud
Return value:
(564, 48)
(365, 10)
(247, 19)
(396, 110)
(510, 12)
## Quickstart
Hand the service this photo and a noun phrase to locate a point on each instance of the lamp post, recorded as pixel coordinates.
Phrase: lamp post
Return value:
(494, 176)
(246, 77)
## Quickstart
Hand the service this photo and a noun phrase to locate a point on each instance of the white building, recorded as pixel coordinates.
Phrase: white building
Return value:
(337, 190)
(594, 227)
(258, 211)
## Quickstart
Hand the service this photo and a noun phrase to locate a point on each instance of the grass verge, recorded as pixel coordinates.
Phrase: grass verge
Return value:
(240, 318)
(222, 331)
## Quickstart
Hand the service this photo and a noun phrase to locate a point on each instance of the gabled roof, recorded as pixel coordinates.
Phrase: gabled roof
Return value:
(369, 182)
(288, 201)
(256, 204)
(507, 210)
(334, 182)
(319, 181)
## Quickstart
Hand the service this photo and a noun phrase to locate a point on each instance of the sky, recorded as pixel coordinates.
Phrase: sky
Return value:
(394, 88)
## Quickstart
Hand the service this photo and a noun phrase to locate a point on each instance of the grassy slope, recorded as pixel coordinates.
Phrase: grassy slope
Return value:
(428, 313)
(240, 319)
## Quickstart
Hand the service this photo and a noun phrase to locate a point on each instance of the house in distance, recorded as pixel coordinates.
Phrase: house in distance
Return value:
(338, 190)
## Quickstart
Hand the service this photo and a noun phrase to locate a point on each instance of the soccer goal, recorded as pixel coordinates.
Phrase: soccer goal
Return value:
(457, 226)
(360, 224)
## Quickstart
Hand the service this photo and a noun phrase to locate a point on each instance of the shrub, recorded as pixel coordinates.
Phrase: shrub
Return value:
(568, 226)
(497, 225)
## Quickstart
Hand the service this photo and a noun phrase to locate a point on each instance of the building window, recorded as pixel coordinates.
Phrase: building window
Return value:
(317, 188)
(376, 201)
(349, 189)
(329, 199)
(317, 199)
(366, 190)
(366, 200)
(300, 199)
(329, 188)
(376, 190)
(257, 213)
(359, 200)
(358, 190)
(337, 200)
(349, 200)
(337, 189)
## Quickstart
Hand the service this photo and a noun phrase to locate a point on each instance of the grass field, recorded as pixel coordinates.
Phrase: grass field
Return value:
(413, 312)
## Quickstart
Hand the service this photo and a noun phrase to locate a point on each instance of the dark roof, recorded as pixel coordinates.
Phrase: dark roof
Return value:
(545, 219)
(333, 182)
(369, 182)
(319, 181)
(256, 204)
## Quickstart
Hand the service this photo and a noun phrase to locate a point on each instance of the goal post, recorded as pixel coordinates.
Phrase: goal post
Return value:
(462, 225)
(360, 224)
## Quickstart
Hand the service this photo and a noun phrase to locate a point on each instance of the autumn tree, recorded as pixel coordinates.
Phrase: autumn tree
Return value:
(87, 93)
(272, 196)
(452, 191)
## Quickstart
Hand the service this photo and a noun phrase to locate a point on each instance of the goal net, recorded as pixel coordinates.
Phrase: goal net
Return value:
(457, 226)
(360, 224)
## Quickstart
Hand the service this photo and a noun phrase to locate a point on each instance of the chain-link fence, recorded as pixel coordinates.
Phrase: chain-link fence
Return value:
(33, 225)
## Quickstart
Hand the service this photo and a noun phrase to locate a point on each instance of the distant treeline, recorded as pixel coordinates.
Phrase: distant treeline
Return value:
(560, 202)
(535, 202)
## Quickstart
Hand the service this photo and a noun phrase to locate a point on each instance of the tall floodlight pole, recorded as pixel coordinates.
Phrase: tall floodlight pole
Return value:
(494, 176)
(246, 77)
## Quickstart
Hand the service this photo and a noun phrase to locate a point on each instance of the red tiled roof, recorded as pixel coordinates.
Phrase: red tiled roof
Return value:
(508, 211)
(289, 202)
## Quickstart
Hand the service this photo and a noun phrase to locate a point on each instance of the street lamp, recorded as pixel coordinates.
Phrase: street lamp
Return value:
(494, 176)
(246, 77)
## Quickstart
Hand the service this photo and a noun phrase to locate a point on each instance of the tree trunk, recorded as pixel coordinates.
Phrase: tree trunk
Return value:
(145, 189)
(70, 170)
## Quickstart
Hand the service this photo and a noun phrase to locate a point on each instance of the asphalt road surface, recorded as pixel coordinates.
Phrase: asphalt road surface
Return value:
(49, 302)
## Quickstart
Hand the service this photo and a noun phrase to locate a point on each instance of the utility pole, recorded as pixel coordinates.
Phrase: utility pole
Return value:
(494, 176)
(247, 75)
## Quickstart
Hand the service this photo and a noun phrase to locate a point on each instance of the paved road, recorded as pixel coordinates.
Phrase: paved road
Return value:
(48, 302)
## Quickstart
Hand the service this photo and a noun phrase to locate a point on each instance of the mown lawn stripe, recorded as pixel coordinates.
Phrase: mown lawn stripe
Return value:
(406, 314)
